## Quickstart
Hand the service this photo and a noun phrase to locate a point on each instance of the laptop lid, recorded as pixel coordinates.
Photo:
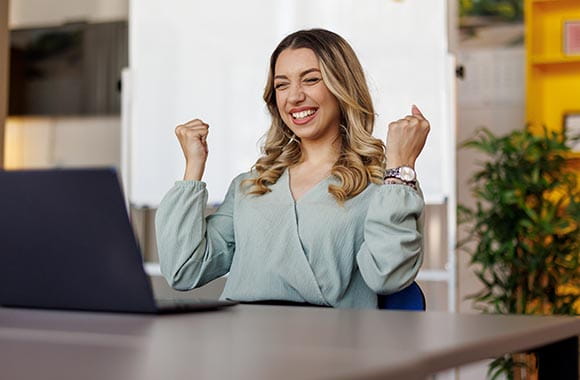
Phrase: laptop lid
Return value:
(66, 242)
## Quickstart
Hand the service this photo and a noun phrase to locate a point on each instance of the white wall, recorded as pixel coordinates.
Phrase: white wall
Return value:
(29, 13)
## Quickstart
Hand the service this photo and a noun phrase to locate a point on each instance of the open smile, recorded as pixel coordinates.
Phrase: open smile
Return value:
(303, 116)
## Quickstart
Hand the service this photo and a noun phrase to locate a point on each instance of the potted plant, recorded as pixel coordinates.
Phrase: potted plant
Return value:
(523, 233)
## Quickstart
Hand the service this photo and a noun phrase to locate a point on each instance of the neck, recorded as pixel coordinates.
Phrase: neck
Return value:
(320, 152)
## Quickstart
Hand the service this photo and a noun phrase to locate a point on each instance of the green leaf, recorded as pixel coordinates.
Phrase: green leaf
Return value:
(522, 234)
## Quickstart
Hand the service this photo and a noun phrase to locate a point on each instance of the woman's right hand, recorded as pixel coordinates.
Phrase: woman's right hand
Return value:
(406, 139)
(192, 137)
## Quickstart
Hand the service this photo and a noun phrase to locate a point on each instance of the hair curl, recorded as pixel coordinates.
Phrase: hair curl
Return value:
(362, 157)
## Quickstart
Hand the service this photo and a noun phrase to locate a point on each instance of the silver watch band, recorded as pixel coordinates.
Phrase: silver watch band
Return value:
(403, 173)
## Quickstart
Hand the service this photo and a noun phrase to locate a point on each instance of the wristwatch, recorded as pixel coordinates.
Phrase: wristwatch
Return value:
(404, 173)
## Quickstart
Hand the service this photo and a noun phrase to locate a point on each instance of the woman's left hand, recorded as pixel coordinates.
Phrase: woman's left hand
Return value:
(406, 138)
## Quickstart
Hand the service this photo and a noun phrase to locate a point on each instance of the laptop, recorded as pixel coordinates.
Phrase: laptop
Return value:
(66, 242)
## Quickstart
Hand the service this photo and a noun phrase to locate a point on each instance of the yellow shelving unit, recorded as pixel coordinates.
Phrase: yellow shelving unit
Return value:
(552, 77)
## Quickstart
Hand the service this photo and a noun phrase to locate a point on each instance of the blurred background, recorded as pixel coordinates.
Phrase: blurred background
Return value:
(87, 83)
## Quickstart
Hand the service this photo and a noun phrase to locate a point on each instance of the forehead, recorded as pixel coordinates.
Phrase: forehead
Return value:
(295, 61)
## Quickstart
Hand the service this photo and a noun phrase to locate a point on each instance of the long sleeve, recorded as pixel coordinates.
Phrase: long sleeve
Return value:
(392, 252)
(275, 248)
(194, 250)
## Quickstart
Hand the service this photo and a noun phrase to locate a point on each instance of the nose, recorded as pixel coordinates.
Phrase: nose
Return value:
(296, 94)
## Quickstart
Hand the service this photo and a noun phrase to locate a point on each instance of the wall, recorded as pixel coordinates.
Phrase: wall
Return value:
(28, 13)
(171, 83)
(491, 95)
(45, 142)
(3, 73)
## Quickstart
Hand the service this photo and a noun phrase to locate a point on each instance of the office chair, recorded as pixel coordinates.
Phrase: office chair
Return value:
(410, 298)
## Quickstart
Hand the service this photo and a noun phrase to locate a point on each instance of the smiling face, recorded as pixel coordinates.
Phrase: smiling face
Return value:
(304, 102)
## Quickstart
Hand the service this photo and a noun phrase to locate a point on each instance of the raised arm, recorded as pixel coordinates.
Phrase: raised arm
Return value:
(194, 250)
(392, 253)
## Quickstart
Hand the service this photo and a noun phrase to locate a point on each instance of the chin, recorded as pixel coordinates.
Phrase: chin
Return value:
(305, 135)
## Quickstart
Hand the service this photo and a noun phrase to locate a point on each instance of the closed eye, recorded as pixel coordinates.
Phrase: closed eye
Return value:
(280, 86)
(312, 80)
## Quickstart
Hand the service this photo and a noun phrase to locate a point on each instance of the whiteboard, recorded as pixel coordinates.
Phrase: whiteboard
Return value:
(209, 60)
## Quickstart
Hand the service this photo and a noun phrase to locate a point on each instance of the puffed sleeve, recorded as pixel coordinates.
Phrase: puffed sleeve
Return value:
(194, 250)
(392, 252)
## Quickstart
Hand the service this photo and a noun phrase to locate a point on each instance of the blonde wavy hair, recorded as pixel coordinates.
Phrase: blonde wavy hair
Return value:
(362, 157)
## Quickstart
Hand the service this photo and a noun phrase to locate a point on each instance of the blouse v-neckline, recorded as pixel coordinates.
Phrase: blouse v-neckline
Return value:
(308, 192)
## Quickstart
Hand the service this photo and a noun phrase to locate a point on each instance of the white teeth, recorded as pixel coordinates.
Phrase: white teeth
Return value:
(303, 114)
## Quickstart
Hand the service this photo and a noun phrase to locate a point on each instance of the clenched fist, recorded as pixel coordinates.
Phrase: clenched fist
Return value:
(406, 139)
(192, 137)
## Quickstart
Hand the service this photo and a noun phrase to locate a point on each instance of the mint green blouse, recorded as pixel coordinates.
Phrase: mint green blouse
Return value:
(311, 250)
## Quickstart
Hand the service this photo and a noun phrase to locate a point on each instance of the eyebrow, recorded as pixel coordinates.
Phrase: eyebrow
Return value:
(301, 74)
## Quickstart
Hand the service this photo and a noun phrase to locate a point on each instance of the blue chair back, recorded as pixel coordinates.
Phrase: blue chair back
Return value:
(410, 298)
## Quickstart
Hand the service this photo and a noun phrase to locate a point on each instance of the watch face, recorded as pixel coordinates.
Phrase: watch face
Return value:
(407, 174)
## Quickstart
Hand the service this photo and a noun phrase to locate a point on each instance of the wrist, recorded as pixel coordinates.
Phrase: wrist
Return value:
(194, 172)
(397, 163)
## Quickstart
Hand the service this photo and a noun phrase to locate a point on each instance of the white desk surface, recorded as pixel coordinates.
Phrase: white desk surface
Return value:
(260, 342)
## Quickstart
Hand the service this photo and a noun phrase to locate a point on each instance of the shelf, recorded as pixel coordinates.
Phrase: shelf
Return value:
(542, 61)
(152, 269)
(552, 78)
(573, 156)
(435, 200)
(555, 2)
(544, 30)
(433, 275)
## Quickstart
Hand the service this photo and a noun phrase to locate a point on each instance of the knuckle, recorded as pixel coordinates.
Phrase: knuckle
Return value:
(192, 123)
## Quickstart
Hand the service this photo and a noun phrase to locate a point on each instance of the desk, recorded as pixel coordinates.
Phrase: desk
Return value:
(261, 342)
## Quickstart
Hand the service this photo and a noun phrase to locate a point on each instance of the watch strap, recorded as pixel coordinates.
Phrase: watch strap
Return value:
(396, 173)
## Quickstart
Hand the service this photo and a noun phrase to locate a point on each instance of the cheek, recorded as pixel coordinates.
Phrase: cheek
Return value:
(280, 105)
(279, 102)
(332, 104)
(337, 108)
(326, 97)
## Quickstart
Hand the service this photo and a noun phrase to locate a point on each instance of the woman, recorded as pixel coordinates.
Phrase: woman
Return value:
(323, 218)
